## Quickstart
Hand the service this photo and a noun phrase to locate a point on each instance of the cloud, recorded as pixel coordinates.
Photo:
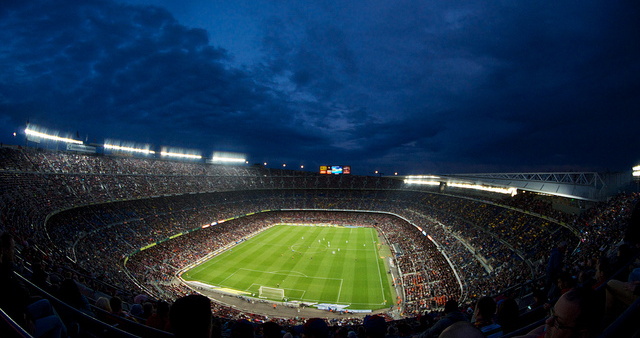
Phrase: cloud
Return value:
(426, 85)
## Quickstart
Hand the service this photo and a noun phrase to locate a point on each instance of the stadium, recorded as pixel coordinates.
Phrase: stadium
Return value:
(143, 229)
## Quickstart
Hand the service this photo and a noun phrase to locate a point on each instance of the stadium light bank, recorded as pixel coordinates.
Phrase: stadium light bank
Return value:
(435, 180)
(166, 152)
(37, 134)
(128, 149)
(224, 157)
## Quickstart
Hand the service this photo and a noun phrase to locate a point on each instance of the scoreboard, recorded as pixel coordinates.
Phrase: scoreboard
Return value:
(335, 169)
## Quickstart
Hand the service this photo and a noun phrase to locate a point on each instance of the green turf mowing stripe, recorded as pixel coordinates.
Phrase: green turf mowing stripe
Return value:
(315, 264)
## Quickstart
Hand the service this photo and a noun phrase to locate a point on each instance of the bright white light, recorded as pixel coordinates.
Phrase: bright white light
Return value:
(636, 168)
(50, 137)
(511, 191)
(636, 173)
(414, 181)
(133, 150)
(190, 156)
(227, 159)
(422, 176)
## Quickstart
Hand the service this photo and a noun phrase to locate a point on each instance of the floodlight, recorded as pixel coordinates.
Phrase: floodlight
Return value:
(180, 153)
(189, 156)
(510, 191)
(418, 181)
(228, 157)
(34, 133)
(130, 149)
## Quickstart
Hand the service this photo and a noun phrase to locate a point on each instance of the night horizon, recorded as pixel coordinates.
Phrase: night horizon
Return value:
(408, 87)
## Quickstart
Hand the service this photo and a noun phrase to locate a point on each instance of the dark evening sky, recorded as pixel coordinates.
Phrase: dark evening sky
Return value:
(396, 86)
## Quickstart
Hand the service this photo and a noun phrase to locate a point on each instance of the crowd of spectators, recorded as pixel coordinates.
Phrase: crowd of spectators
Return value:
(77, 217)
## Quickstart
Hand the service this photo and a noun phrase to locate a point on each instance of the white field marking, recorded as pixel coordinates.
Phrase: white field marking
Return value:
(378, 265)
(289, 273)
(251, 286)
(259, 285)
(200, 268)
(204, 285)
(224, 280)
(339, 291)
(304, 292)
(278, 273)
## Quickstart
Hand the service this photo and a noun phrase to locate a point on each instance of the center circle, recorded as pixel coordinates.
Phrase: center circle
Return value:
(312, 248)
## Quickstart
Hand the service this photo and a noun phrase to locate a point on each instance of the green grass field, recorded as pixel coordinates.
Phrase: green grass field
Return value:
(333, 265)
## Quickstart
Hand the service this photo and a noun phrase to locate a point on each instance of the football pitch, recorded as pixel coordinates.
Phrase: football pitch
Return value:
(311, 264)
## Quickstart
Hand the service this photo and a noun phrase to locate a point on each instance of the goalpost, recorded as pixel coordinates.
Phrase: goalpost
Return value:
(271, 293)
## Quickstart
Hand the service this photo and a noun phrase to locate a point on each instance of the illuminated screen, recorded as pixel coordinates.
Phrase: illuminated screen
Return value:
(335, 169)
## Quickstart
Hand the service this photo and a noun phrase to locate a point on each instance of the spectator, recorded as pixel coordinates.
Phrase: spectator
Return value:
(315, 328)
(115, 303)
(271, 330)
(461, 329)
(508, 315)
(555, 264)
(37, 315)
(147, 310)
(575, 314)
(160, 319)
(70, 294)
(375, 326)
(242, 328)
(191, 317)
(452, 315)
(102, 303)
(619, 295)
(483, 317)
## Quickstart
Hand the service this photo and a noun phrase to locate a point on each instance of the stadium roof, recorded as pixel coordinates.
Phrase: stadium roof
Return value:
(590, 186)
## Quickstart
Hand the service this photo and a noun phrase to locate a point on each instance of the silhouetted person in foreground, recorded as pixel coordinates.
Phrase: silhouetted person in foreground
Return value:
(315, 328)
(452, 315)
(190, 316)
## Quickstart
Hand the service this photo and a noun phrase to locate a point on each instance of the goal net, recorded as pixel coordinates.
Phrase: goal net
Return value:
(271, 293)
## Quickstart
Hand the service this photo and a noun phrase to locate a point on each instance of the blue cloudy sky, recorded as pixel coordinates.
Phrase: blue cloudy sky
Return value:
(397, 86)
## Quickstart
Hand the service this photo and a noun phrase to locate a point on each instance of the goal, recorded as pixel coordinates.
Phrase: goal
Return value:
(271, 293)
